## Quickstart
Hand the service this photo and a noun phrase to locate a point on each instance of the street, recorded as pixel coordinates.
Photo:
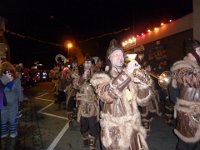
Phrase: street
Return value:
(44, 126)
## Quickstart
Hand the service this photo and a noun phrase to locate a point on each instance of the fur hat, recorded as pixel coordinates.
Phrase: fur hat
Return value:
(191, 45)
(112, 47)
(7, 66)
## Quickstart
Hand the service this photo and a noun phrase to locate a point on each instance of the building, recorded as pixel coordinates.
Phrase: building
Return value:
(166, 43)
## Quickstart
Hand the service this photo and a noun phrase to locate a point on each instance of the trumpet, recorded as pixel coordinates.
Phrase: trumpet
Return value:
(164, 78)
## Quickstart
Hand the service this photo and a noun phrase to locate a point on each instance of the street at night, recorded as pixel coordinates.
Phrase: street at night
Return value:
(100, 75)
(44, 127)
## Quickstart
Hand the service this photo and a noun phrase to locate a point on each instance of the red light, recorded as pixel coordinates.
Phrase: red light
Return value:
(138, 36)
(142, 34)
(170, 20)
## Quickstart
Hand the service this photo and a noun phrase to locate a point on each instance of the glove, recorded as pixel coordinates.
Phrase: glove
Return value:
(86, 74)
(132, 65)
(4, 79)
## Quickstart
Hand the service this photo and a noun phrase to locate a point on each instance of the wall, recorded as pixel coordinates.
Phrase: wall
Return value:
(175, 27)
(196, 19)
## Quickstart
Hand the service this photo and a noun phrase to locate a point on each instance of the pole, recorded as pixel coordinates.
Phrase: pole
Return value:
(68, 52)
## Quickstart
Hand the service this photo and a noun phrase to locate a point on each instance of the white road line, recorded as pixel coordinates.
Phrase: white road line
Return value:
(44, 99)
(62, 132)
(59, 136)
(56, 116)
(42, 95)
(45, 107)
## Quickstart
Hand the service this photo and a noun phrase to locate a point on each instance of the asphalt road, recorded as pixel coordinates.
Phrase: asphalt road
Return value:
(44, 126)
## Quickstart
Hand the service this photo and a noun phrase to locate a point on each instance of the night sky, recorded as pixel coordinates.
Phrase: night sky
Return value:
(90, 24)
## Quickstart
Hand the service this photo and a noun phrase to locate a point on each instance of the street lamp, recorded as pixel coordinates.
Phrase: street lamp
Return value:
(69, 45)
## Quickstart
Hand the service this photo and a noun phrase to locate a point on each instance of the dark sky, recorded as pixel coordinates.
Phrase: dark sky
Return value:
(89, 23)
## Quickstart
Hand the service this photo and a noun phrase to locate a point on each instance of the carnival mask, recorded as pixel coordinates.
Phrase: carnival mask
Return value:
(9, 75)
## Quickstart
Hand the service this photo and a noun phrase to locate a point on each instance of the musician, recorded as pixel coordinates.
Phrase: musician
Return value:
(186, 77)
(152, 106)
(88, 111)
(121, 91)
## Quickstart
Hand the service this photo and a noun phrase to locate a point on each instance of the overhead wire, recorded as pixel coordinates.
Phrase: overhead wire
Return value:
(62, 45)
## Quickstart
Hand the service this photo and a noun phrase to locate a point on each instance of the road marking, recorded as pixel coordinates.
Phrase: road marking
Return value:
(65, 128)
(49, 114)
(45, 107)
(52, 115)
(59, 136)
(43, 94)
(44, 99)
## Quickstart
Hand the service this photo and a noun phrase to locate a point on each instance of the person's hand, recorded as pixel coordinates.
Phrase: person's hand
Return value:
(4, 79)
(132, 65)
(86, 74)
(10, 77)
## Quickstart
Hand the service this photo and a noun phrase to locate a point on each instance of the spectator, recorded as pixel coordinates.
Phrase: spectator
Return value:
(13, 93)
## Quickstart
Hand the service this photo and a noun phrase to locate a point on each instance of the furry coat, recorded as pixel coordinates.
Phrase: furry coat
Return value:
(186, 76)
(120, 119)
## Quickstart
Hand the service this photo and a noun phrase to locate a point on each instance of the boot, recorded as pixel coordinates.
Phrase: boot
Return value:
(85, 139)
(92, 143)
(146, 125)
(70, 115)
(13, 129)
(169, 119)
(4, 130)
(169, 111)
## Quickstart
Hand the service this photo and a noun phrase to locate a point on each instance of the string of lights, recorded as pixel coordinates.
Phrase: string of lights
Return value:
(62, 45)
(124, 43)
(132, 40)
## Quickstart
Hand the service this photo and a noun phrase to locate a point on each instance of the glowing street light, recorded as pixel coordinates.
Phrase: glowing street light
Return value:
(68, 45)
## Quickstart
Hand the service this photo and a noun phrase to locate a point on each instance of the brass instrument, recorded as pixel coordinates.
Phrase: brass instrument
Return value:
(164, 78)
(60, 59)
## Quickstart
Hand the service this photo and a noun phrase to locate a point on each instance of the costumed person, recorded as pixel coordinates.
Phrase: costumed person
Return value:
(63, 81)
(14, 95)
(88, 111)
(98, 64)
(3, 81)
(186, 77)
(121, 91)
(147, 109)
(71, 89)
(167, 105)
(99, 68)
(53, 75)
(3, 101)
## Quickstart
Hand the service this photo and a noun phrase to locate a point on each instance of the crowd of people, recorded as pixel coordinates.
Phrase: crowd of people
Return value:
(116, 102)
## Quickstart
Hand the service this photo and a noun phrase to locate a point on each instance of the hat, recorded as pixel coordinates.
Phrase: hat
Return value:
(95, 58)
(112, 47)
(192, 45)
